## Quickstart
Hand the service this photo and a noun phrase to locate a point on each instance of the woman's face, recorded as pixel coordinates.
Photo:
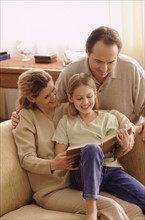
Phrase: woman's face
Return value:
(47, 97)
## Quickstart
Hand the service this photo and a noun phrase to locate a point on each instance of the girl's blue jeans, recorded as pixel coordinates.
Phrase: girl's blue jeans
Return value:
(93, 177)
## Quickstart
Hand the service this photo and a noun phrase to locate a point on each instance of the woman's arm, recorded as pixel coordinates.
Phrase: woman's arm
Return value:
(62, 161)
(59, 150)
(35, 148)
(67, 162)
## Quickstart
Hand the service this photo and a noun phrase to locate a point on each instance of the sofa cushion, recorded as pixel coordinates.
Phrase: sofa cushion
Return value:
(132, 210)
(15, 188)
(35, 212)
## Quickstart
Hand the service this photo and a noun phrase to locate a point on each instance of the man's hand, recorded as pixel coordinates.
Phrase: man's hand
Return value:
(15, 119)
(142, 130)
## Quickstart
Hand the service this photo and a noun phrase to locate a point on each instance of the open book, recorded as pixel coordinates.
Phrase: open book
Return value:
(107, 144)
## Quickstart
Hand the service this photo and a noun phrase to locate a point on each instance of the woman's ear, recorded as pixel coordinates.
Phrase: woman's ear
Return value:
(31, 99)
(69, 98)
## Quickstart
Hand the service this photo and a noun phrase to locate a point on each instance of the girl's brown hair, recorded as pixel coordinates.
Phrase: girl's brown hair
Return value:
(74, 82)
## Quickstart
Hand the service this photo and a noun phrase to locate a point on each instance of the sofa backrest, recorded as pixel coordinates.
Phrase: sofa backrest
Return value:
(15, 189)
(134, 161)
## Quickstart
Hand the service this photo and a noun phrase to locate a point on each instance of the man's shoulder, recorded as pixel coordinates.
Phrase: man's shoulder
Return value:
(77, 63)
(127, 63)
(122, 58)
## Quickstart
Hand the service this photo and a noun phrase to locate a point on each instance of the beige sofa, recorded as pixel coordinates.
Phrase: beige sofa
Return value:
(16, 195)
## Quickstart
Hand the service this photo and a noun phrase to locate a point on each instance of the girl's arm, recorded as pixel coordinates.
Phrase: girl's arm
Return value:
(59, 148)
(126, 141)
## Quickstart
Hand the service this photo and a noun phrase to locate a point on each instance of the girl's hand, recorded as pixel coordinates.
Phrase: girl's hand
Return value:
(63, 162)
(15, 119)
(126, 141)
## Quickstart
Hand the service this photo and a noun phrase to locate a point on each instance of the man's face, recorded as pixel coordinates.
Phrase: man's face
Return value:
(102, 60)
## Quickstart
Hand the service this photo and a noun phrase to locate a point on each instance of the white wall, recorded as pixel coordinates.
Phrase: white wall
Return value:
(52, 25)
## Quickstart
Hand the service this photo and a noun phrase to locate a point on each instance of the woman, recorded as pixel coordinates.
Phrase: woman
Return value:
(39, 114)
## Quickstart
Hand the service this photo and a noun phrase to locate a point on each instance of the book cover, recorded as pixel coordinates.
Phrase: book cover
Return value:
(107, 144)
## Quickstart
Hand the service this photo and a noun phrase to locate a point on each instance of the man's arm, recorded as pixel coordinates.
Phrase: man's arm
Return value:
(124, 122)
(15, 118)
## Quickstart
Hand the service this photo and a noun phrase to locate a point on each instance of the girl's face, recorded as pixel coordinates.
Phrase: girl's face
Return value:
(83, 99)
(47, 97)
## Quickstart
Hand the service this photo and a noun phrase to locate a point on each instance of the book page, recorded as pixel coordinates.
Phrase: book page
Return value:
(107, 144)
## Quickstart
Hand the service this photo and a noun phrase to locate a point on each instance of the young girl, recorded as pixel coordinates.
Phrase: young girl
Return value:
(84, 126)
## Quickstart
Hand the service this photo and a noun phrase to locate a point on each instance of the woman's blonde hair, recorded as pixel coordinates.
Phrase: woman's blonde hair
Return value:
(74, 82)
(30, 83)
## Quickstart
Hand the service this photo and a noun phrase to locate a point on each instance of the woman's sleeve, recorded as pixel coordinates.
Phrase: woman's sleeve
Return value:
(25, 139)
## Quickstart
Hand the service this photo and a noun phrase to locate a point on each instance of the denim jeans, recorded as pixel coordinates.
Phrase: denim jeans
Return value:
(93, 177)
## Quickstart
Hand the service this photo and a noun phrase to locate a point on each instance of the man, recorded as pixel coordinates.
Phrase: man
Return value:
(120, 79)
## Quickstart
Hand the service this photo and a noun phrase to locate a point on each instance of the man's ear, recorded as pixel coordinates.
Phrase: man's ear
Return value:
(69, 98)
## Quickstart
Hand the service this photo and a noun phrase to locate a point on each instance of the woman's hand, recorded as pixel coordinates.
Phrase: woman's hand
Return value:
(63, 162)
(142, 130)
(15, 119)
(126, 142)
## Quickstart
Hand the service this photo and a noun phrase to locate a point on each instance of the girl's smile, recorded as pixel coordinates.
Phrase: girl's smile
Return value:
(83, 99)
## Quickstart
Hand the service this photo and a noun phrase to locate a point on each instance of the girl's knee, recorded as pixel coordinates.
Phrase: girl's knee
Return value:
(92, 150)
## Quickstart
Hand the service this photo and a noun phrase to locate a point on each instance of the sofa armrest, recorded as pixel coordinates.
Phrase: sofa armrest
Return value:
(15, 188)
(134, 161)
